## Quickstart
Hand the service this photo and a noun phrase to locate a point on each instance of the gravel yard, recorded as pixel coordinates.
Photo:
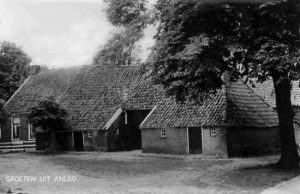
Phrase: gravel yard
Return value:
(134, 172)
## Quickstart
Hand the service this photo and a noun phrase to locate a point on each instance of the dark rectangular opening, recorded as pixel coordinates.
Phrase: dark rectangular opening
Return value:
(195, 140)
(78, 141)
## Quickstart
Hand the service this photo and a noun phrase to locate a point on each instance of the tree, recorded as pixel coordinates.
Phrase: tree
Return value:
(121, 49)
(132, 17)
(51, 118)
(3, 114)
(127, 12)
(14, 66)
(197, 41)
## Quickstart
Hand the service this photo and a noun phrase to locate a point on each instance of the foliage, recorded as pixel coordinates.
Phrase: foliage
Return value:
(122, 49)
(3, 114)
(14, 66)
(50, 118)
(126, 12)
(197, 41)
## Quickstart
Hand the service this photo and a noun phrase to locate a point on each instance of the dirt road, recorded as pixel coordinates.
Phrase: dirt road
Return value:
(133, 172)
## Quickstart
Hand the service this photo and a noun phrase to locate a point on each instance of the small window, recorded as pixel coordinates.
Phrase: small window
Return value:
(213, 133)
(118, 132)
(31, 132)
(90, 134)
(163, 133)
(0, 132)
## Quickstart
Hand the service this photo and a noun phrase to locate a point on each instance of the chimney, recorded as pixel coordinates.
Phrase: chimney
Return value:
(34, 69)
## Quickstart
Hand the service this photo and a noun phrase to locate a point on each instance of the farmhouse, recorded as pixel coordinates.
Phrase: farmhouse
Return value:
(17, 132)
(113, 108)
(116, 108)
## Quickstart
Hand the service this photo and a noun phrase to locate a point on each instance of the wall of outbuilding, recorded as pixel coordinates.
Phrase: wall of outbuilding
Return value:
(214, 144)
(98, 142)
(175, 142)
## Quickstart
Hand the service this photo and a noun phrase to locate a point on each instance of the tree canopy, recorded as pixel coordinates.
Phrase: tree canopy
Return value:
(14, 66)
(197, 41)
(50, 118)
(3, 114)
(131, 16)
(121, 49)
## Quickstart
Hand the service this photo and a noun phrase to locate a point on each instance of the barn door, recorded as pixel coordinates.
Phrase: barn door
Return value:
(78, 141)
(195, 140)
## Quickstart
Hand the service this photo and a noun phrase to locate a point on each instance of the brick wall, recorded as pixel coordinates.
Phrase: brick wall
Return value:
(6, 130)
(97, 142)
(6, 133)
(175, 141)
(214, 145)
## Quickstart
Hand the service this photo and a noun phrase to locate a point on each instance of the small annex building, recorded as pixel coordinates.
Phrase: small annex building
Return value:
(37, 87)
(234, 122)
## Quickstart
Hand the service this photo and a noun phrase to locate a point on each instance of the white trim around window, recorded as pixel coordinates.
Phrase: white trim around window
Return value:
(15, 128)
(163, 133)
(90, 134)
(213, 132)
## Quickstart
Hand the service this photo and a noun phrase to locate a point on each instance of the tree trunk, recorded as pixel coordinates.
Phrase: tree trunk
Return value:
(289, 155)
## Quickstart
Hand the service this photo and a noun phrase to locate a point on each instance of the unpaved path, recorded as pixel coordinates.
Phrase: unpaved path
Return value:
(132, 172)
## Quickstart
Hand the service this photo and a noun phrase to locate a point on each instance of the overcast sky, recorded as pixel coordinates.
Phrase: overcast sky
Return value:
(59, 33)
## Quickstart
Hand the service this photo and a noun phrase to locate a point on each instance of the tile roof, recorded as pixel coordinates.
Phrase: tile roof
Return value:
(144, 95)
(267, 92)
(235, 104)
(97, 93)
(246, 108)
(47, 84)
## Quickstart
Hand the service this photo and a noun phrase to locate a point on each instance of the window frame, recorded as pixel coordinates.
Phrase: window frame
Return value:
(90, 134)
(14, 127)
(163, 133)
(213, 132)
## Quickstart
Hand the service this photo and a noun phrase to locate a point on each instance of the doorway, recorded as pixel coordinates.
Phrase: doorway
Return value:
(78, 141)
(195, 140)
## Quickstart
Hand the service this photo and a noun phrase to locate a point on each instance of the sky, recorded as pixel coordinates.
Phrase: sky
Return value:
(60, 33)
